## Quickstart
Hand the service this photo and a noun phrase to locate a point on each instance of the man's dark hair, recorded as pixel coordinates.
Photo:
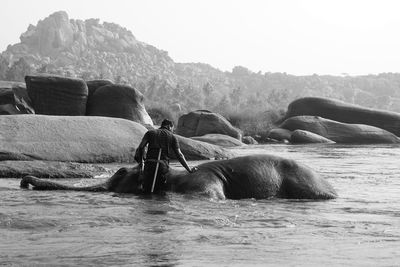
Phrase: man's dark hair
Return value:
(166, 123)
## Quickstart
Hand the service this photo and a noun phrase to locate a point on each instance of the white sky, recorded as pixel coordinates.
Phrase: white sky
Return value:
(298, 37)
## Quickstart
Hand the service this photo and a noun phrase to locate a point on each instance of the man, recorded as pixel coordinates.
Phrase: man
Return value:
(160, 144)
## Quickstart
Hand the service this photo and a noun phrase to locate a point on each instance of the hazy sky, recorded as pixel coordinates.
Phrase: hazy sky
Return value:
(297, 37)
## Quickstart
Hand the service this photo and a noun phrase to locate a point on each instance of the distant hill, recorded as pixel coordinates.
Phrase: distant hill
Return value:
(92, 50)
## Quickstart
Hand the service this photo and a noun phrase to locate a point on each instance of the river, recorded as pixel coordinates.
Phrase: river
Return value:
(359, 228)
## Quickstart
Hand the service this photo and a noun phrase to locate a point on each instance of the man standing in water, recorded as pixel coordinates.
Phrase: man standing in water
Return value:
(160, 144)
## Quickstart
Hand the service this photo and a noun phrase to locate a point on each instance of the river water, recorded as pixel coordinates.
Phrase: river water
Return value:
(360, 228)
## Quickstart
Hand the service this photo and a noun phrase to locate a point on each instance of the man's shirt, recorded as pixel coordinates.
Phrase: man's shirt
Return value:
(164, 139)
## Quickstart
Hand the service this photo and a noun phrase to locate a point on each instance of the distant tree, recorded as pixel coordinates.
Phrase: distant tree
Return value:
(3, 68)
(18, 71)
(236, 95)
(43, 68)
(223, 105)
(208, 95)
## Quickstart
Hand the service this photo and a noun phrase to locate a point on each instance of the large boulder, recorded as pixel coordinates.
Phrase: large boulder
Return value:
(50, 169)
(83, 139)
(249, 140)
(93, 85)
(219, 139)
(340, 132)
(306, 137)
(14, 99)
(119, 101)
(198, 150)
(69, 138)
(344, 112)
(202, 122)
(55, 95)
(279, 134)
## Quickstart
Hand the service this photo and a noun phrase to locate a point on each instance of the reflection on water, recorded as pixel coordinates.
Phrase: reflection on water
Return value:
(360, 228)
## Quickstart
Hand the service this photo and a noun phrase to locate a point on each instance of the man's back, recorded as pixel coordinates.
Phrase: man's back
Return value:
(161, 138)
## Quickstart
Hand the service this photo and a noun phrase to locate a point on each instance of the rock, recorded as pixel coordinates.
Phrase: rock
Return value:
(94, 84)
(69, 138)
(51, 35)
(49, 169)
(344, 112)
(279, 134)
(14, 99)
(84, 139)
(197, 150)
(248, 140)
(219, 139)
(118, 101)
(342, 133)
(306, 137)
(202, 122)
(78, 48)
(55, 95)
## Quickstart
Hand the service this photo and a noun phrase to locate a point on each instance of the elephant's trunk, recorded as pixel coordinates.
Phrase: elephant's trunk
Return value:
(41, 184)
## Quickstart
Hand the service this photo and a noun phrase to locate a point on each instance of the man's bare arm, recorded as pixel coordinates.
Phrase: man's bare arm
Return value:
(182, 160)
(140, 149)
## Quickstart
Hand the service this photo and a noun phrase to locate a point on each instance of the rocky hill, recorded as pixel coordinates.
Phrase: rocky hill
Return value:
(92, 50)
(89, 49)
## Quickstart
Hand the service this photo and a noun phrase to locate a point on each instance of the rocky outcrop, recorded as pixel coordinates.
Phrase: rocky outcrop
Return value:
(118, 101)
(50, 169)
(201, 122)
(77, 48)
(54, 95)
(94, 84)
(248, 140)
(68, 138)
(14, 99)
(83, 139)
(306, 137)
(279, 134)
(342, 133)
(219, 139)
(197, 150)
(344, 112)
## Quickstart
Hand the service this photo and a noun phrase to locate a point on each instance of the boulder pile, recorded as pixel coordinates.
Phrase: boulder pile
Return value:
(322, 120)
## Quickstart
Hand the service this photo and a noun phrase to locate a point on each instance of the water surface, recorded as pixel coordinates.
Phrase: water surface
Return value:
(360, 228)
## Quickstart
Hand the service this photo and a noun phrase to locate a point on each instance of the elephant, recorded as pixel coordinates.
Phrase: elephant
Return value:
(255, 176)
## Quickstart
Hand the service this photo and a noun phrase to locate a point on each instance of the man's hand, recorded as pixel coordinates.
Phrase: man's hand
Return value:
(194, 169)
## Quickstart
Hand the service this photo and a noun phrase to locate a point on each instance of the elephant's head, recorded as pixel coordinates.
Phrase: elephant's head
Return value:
(125, 180)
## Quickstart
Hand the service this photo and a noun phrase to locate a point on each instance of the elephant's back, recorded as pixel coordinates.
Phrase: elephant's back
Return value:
(253, 176)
